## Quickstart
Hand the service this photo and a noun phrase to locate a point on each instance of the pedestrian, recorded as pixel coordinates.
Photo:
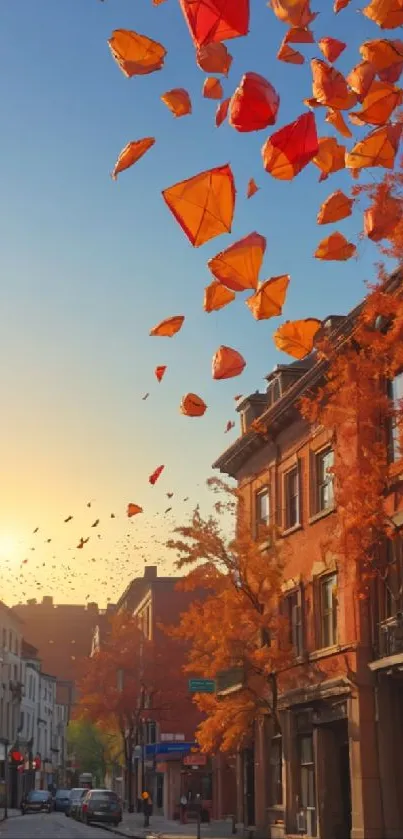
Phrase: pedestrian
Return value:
(146, 808)
(184, 809)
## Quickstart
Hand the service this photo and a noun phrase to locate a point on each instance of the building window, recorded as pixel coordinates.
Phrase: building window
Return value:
(292, 498)
(293, 611)
(328, 610)
(262, 512)
(395, 393)
(324, 480)
(307, 787)
(276, 767)
(4, 638)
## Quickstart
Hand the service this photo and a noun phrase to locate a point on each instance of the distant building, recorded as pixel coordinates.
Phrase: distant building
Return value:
(11, 628)
(62, 633)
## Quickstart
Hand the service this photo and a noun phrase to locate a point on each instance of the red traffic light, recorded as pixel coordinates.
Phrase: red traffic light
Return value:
(17, 757)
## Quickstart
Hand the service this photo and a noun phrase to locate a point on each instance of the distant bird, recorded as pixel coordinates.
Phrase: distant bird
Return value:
(82, 542)
(113, 515)
(229, 426)
(48, 540)
(146, 395)
(96, 523)
(69, 518)
(186, 499)
(36, 529)
(89, 504)
(168, 510)
(170, 494)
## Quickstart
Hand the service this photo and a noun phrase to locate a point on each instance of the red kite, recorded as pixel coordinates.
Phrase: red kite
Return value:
(222, 112)
(155, 475)
(254, 104)
(160, 372)
(291, 148)
(215, 20)
(252, 188)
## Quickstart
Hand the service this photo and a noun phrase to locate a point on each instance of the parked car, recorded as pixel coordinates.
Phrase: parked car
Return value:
(61, 800)
(101, 805)
(76, 795)
(36, 801)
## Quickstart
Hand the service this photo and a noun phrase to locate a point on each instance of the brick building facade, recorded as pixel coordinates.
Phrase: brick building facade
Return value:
(334, 771)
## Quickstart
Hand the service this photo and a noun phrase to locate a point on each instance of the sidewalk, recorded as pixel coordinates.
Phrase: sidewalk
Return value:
(132, 826)
(10, 813)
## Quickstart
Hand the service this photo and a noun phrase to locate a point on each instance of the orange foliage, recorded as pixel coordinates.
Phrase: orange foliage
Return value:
(353, 401)
(232, 625)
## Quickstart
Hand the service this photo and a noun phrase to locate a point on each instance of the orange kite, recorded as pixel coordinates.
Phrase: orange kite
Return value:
(330, 156)
(335, 248)
(378, 148)
(168, 327)
(299, 35)
(291, 148)
(212, 88)
(329, 86)
(338, 5)
(268, 300)
(215, 20)
(203, 205)
(361, 77)
(382, 218)
(222, 112)
(238, 266)
(193, 405)
(331, 48)
(160, 372)
(388, 14)
(136, 55)
(293, 12)
(214, 58)
(227, 363)
(383, 54)
(378, 105)
(336, 207)
(289, 55)
(336, 119)
(216, 296)
(252, 188)
(133, 510)
(178, 101)
(296, 337)
(131, 154)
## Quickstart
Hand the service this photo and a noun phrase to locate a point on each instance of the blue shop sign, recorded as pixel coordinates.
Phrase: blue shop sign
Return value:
(168, 748)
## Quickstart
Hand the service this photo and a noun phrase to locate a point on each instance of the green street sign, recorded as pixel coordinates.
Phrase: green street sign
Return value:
(201, 685)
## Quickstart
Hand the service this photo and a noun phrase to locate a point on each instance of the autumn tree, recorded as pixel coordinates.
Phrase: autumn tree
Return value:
(128, 682)
(238, 622)
(87, 745)
(354, 402)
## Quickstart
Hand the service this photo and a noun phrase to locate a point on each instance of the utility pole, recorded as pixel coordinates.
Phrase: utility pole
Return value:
(198, 810)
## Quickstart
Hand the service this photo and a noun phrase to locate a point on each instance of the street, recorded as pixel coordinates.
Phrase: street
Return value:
(44, 826)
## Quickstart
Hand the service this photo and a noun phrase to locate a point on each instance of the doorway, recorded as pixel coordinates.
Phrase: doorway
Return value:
(249, 786)
(334, 788)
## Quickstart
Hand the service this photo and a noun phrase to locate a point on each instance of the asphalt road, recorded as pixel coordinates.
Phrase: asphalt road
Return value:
(53, 826)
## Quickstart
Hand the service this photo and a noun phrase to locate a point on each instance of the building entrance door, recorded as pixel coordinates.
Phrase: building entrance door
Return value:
(333, 780)
(249, 786)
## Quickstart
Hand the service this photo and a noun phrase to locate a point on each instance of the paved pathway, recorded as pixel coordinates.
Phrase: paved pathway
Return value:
(44, 826)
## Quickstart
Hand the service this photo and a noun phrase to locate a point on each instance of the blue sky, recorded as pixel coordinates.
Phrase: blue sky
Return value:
(88, 266)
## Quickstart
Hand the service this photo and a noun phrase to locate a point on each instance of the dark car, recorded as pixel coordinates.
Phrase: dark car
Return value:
(101, 805)
(74, 801)
(62, 800)
(36, 801)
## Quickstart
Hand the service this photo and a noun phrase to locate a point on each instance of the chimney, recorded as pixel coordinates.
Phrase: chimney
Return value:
(32, 601)
(92, 607)
(47, 600)
(150, 572)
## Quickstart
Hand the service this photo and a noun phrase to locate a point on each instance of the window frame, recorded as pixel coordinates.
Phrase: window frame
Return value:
(297, 593)
(287, 523)
(394, 432)
(323, 484)
(324, 614)
(276, 792)
(264, 491)
(307, 769)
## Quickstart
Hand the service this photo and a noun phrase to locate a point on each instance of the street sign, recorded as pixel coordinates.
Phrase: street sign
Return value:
(201, 685)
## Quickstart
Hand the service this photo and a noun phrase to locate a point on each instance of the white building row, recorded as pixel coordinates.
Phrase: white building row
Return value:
(33, 722)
